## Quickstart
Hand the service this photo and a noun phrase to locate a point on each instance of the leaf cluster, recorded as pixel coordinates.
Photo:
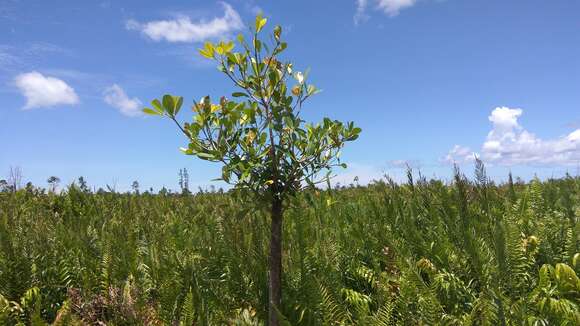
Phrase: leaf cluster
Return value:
(258, 134)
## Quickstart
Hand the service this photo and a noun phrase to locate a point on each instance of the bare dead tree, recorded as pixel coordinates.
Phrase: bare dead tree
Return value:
(15, 178)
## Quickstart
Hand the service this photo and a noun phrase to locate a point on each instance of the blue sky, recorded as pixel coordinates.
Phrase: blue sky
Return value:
(431, 82)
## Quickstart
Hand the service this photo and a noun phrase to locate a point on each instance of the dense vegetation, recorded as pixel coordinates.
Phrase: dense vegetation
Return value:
(420, 253)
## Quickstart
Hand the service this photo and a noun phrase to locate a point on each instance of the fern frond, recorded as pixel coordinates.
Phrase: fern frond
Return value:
(332, 313)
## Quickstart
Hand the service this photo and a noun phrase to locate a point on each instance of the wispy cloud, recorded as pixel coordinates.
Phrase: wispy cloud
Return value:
(8, 59)
(390, 8)
(509, 143)
(116, 97)
(183, 29)
(43, 91)
(25, 56)
(251, 7)
(361, 14)
(404, 164)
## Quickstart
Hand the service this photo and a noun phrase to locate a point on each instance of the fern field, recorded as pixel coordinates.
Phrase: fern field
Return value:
(470, 252)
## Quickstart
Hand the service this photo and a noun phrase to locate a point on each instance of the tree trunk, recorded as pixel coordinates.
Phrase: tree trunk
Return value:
(275, 280)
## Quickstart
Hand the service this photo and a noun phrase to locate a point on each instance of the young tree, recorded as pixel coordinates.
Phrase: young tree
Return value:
(259, 137)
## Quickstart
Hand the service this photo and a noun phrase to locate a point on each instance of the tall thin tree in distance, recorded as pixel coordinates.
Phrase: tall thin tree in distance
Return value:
(184, 181)
(15, 178)
(53, 182)
(135, 187)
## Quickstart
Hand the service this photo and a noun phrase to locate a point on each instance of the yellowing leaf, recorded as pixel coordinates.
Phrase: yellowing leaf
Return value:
(208, 50)
(260, 22)
(250, 137)
(228, 47)
(205, 54)
(296, 90)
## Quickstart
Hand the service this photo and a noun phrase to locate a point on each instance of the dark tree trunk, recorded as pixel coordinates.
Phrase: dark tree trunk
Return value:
(275, 279)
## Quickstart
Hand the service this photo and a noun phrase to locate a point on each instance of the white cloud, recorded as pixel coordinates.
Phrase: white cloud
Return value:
(116, 97)
(459, 154)
(393, 7)
(509, 143)
(389, 7)
(43, 91)
(182, 29)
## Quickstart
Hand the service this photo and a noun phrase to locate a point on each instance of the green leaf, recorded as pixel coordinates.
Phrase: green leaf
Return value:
(168, 104)
(177, 102)
(205, 156)
(151, 112)
(186, 151)
(281, 48)
(157, 105)
(351, 138)
(226, 174)
(257, 45)
(239, 94)
(277, 32)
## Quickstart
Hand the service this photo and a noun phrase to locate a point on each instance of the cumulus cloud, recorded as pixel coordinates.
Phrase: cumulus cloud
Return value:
(509, 143)
(116, 97)
(182, 29)
(389, 7)
(43, 91)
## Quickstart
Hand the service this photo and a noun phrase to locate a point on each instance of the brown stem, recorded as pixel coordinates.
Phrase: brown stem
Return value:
(275, 280)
